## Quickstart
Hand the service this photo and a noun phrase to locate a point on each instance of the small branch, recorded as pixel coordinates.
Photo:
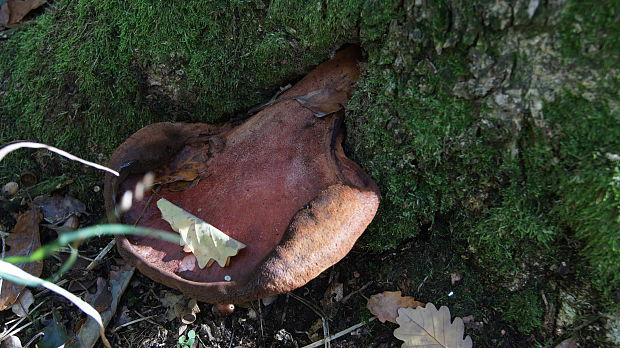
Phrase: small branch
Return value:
(319, 313)
(339, 334)
(101, 255)
(131, 323)
(346, 298)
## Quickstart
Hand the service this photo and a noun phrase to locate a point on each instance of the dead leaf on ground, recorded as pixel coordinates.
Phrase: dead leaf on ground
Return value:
(470, 323)
(22, 241)
(429, 327)
(11, 342)
(206, 242)
(55, 333)
(455, 277)
(322, 101)
(188, 316)
(13, 11)
(174, 303)
(105, 300)
(178, 186)
(103, 297)
(70, 225)
(386, 304)
(333, 295)
(567, 343)
(58, 208)
(180, 307)
(24, 301)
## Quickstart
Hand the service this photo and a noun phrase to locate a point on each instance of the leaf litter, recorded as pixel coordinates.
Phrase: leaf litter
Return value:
(23, 303)
(385, 305)
(57, 209)
(105, 300)
(22, 241)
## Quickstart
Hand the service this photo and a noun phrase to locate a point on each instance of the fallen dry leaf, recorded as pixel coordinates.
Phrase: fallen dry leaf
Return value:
(174, 303)
(206, 242)
(332, 296)
(59, 208)
(21, 242)
(179, 306)
(12, 342)
(24, 301)
(386, 304)
(55, 333)
(429, 327)
(567, 343)
(13, 11)
(103, 297)
(105, 300)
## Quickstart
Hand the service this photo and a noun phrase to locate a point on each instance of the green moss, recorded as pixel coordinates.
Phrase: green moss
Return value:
(591, 32)
(88, 73)
(525, 310)
(413, 137)
(513, 232)
(588, 140)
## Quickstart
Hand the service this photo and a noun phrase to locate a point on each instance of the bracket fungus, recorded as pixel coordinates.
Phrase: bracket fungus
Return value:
(278, 183)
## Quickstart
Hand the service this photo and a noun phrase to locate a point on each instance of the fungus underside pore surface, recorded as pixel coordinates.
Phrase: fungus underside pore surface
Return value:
(501, 194)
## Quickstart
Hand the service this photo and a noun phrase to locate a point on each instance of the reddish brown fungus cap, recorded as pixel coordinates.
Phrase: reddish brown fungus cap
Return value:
(280, 183)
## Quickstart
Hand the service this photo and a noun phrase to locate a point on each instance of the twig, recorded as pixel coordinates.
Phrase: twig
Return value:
(68, 251)
(45, 291)
(101, 255)
(154, 191)
(3, 251)
(422, 283)
(33, 339)
(260, 316)
(284, 311)
(14, 332)
(319, 313)
(346, 298)
(131, 323)
(10, 331)
(147, 319)
(339, 334)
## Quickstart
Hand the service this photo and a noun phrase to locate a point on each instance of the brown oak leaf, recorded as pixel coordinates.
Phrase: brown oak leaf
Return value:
(430, 327)
(386, 304)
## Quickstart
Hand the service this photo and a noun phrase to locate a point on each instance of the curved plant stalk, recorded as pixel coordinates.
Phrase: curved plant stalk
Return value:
(32, 145)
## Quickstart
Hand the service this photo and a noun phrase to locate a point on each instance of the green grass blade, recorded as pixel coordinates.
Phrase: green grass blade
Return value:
(90, 232)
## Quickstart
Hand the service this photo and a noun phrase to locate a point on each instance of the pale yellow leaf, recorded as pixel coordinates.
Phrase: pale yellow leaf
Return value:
(203, 240)
(430, 328)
